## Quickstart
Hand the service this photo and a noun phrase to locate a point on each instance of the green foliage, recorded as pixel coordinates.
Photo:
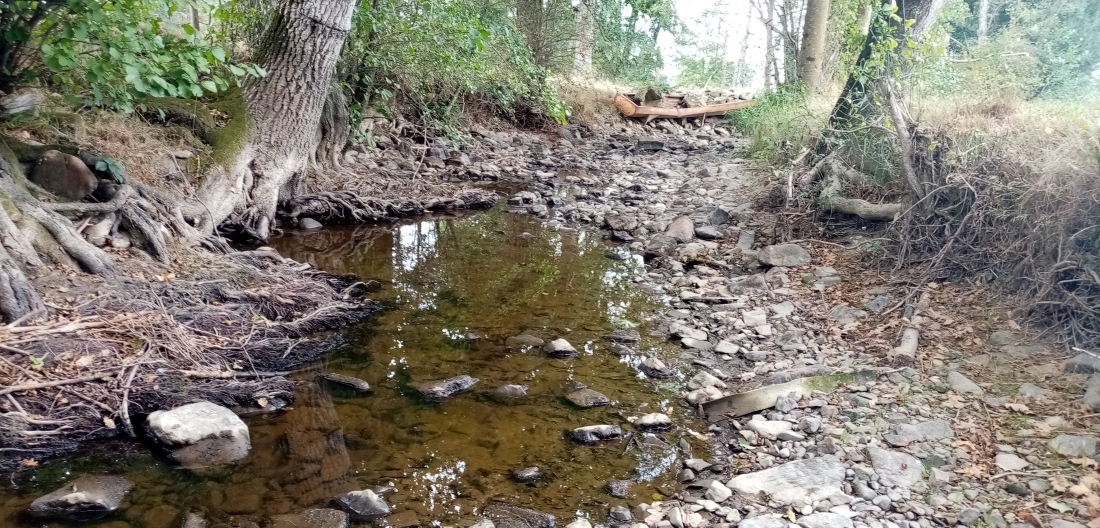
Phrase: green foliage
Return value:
(117, 53)
(626, 47)
(438, 55)
(706, 64)
(779, 123)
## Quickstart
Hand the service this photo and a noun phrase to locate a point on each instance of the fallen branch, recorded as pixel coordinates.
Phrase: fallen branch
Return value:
(226, 374)
(905, 354)
(831, 199)
(58, 383)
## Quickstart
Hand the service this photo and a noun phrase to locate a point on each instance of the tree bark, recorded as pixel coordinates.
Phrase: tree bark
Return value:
(983, 20)
(586, 27)
(812, 55)
(865, 12)
(924, 13)
(299, 52)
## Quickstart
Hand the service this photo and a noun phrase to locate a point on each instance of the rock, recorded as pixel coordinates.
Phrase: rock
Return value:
(676, 517)
(527, 474)
(769, 429)
(696, 464)
(206, 434)
(64, 175)
(962, 384)
(925, 431)
(507, 516)
(655, 368)
(587, 398)
(754, 318)
(579, 523)
(1059, 523)
(708, 233)
(1009, 462)
(523, 340)
(718, 492)
(194, 520)
(764, 521)
(1002, 338)
(682, 229)
(784, 255)
(825, 520)
(878, 304)
(895, 469)
(1038, 485)
(620, 514)
(1018, 488)
(809, 479)
(440, 390)
(685, 475)
(846, 315)
(560, 348)
(510, 392)
(365, 504)
(618, 488)
(654, 422)
(970, 516)
(309, 224)
(617, 222)
(1092, 393)
(405, 519)
(1083, 363)
(625, 336)
(704, 395)
(705, 379)
(595, 433)
(696, 344)
(83, 499)
(785, 404)
(346, 381)
(1073, 445)
(313, 518)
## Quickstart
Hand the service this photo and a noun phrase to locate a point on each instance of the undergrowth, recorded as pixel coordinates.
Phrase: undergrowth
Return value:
(781, 123)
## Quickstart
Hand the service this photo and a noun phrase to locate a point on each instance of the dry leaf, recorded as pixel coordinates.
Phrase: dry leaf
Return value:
(262, 402)
(108, 422)
(1095, 523)
(84, 361)
(1078, 490)
(29, 462)
(1060, 483)
(1018, 407)
(954, 401)
(1061, 507)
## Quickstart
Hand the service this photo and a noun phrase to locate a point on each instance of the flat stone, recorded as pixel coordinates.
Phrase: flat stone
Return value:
(1009, 462)
(1032, 391)
(1002, 338)
(83, 499)
(925, 431)
(527, 474)
(825, 520)
(595, 433)
(655, 368)
(970, 516)
(895, 469)
(718, 492)
(440, 390)
(625, 336)
(963, 384)
(560, 348)
(654, 422)
(621, 514)
(769, 429)
(845, 315)
(708, 233)
(1083, 363)
(510, 392)
(364, 504)
(405, 519)
(705, 379)
(696, 464)
(1038, 485)
(810, 479)
(346, 381)
(764, 521)
(754, 318)
(784, 255)
(1073, 445)
(1059, 523)
(524, 340)
(696, 344)
(878, 304)
(313, 518)
(783, 309)
(587, 398)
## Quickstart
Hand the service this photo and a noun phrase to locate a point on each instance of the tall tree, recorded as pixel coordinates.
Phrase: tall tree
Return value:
(983, 19)
(299, 51)
(586, 35)
(812, 54)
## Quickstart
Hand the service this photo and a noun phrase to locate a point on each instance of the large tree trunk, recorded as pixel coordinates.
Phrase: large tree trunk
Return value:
(586, 36)
(811, 56)
(866, 11)
(284, 108)
(924, 14)
(983, 20)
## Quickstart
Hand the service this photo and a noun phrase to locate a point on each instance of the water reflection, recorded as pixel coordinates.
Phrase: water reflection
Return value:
(455, 290)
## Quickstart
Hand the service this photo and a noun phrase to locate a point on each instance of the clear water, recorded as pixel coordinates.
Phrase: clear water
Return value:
(453, 289)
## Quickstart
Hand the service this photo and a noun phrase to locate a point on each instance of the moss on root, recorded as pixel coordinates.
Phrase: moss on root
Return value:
(227, 141)
(188, 113)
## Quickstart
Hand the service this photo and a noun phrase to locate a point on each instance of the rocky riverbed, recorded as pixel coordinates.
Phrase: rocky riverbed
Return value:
(986, 426)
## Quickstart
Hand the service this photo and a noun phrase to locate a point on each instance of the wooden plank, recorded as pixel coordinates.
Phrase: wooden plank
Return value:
(627, 108)
(764, 397)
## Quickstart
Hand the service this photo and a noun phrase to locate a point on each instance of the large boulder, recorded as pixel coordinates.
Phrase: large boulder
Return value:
(811, 479)
(440, 390)
(202, 434)
(64, 175)
(784, 255)
(83, 499)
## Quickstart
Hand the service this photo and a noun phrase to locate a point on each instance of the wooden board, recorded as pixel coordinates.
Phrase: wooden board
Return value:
(627, 108)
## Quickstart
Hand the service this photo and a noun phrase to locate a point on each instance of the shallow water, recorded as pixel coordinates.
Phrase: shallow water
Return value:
(454, 289)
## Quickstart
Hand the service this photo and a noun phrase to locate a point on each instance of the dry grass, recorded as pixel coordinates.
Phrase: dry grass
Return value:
(592, 100)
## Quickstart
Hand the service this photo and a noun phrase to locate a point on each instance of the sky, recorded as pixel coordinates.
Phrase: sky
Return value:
(737, 15)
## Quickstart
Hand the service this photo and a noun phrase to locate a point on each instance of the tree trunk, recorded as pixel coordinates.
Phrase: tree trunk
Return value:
(769, 40)
(866, 11)
(811, 57)
(924, 13)
(586, 27)
(983, 20)
(299, 52)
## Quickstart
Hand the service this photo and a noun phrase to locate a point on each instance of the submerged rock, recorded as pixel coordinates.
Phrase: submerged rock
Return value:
(587, 398)
(626, 336)
(524, 340)
(618, 488)
(83, 499)
(440, 390)
(365, 504)
(313, 518)
(655, 369)
(527, 474)
(560, 348)
(346, 381)
(508, 516)
(204, 433)
(595, 433)
(510, 392)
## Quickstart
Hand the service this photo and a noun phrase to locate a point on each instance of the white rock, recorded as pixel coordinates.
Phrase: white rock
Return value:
(195, 422)
(769, 429)
(754, 318)
(1009, 462)
(718, 492)
(579, 523)
(810, 479)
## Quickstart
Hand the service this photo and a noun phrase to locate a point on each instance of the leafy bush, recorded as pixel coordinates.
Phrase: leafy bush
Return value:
(116, 53)
(780, 123)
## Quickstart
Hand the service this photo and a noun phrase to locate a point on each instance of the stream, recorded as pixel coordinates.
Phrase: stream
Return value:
(453, 290)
